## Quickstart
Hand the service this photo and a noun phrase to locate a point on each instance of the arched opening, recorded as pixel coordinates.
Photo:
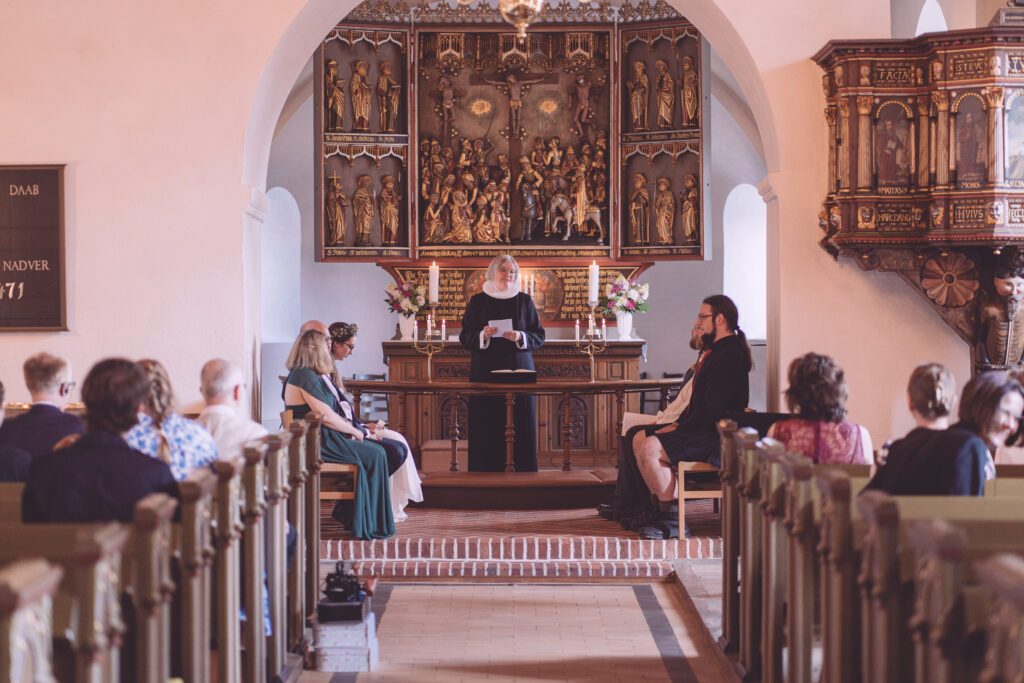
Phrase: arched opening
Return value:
(744, 276)
(281, 237)
(931, 19)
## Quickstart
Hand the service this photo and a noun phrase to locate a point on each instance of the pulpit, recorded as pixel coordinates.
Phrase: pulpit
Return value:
(594, 419)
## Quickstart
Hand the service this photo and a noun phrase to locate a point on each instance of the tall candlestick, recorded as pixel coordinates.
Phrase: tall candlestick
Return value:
(593, 283)
(604, 328)
(577, 329)
(435, 283)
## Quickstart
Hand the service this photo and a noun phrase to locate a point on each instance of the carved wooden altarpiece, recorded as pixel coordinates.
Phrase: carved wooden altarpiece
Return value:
(926, 174)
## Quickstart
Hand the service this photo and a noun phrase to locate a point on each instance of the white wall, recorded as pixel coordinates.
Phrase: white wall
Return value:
(745, 272)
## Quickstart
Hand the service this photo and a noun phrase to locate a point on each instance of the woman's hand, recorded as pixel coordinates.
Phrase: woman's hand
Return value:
(356, 434)
(489, 332)
(512, 335)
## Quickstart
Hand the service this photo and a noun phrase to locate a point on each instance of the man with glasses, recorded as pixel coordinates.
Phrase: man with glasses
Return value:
(37, 431)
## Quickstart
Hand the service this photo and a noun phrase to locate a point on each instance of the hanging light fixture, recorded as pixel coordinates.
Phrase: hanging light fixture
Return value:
(520, 13)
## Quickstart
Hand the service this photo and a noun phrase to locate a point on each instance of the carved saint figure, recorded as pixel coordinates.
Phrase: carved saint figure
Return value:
(640, 211)
(461, 229)
(583, 113)
(690, 94)
(690, 209)
(500, 221)
(514, 90)
(581, 202)
(1001, 335)
(538, 153)
(666, 92)
(970, 136)
(334, 97)
(465, 162)
(664, 211)
(337, 204)
(554, 154)
(483, 228)
(388, 202)
(889, 153)
(528, 185)
(433, 223)
(389, 93)
(639, 89)
(360, 87)
(446, 101)
(363, 210)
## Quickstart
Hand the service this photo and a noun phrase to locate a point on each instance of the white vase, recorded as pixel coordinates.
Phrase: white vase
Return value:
(624, 323)
(406, 325)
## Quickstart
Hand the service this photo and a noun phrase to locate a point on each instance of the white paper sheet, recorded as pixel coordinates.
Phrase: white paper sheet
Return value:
(504, 325)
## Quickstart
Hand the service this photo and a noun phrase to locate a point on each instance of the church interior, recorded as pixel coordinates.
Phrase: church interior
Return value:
(513, 340)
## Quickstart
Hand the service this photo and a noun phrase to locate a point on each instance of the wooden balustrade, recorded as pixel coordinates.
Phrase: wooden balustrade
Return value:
(560, 391)
(1002, 577)
(26, 593)
(729, 475)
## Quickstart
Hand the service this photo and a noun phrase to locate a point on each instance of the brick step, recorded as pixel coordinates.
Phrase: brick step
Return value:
(486, 569)
(533, 549)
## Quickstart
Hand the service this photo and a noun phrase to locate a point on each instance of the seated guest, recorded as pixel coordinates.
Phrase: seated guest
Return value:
(1013, 452)
(37, 431)
(98, 478)
(932, 461)
(720, 385)
(14, 462)
(817, 395)
(405, 481)
(164, 434)
(223, 387)
(626, 508)
(308, 389)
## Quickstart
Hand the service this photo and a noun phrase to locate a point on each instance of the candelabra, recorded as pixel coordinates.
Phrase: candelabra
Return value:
(433, 341)
(592, 341)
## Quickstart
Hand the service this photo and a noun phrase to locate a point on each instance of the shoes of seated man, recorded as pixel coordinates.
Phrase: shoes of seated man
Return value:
(607, 511)
(664, 526)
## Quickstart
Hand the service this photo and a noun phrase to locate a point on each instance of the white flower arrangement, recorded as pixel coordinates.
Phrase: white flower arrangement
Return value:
(626, 296)
(406, 299)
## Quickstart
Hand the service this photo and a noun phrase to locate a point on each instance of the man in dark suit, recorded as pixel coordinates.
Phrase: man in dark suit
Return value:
(98, 477)
(37, 431)
(14, 462)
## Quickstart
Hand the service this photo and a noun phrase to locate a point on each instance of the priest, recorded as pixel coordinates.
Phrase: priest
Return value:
(501, 329)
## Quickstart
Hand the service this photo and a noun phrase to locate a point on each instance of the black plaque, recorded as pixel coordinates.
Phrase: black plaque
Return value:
(32, 248)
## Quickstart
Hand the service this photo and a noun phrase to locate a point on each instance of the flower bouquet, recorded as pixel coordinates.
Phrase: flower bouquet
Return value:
(406, 299)
(623, 299)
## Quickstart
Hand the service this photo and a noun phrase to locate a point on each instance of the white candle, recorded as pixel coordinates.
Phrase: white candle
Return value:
(415, 329)
(604, 328)
(533, 284)
(430, 325)
(593, 283)
(444, 329)
(435, 282)
(577, 329)
(590, 324)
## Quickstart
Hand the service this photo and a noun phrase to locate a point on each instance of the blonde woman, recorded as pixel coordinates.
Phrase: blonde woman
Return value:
(308, 389)
(164, 434)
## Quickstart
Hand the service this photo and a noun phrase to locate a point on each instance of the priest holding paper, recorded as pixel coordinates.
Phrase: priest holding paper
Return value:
(501, 328)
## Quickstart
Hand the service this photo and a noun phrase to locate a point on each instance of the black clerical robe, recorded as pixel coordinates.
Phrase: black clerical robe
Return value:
(487, 413)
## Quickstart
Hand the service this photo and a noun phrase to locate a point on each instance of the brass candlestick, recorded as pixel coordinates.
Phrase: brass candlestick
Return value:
(433, 342)
(592, 342)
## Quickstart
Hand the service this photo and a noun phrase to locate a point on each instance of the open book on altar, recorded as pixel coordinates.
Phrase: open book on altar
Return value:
(516, 370)
(518, 376)
(630, 420)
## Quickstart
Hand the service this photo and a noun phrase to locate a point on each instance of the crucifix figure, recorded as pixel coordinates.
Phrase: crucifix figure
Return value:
(513, 87)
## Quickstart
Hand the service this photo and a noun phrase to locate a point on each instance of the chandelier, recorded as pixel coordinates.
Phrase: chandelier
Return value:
(520, 13)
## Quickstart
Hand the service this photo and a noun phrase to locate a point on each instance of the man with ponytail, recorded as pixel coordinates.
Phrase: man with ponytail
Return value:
(720, 385)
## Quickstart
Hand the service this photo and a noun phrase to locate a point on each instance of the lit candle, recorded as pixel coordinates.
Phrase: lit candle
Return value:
(430, 325)
(604, 328)
(415, 329)
(590, 324)
(435, 282)
(593, 283)
(444, 329)
(577, 329)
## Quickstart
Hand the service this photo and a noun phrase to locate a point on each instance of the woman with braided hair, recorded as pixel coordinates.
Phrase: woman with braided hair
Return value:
(164, 434)
(817, 395)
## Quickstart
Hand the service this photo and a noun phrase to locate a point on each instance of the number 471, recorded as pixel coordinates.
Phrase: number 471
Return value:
(12, 290)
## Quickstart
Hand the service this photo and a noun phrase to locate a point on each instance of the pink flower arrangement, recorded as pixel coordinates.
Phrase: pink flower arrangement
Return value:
(406, 299)
(626, 296)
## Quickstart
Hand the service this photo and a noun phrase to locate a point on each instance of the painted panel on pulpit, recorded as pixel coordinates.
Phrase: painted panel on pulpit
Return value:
(893, 145)
(971, 141)
(513, 147)
(1015, 142)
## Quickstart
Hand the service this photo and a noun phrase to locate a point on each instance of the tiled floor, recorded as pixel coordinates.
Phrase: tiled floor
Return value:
(540, 632)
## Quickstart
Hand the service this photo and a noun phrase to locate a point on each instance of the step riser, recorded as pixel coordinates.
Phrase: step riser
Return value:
(520, 570)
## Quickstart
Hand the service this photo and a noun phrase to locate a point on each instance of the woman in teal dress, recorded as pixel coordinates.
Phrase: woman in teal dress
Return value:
(307, 391)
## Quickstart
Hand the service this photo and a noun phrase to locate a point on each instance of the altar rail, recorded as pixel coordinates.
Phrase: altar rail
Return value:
(561, 390)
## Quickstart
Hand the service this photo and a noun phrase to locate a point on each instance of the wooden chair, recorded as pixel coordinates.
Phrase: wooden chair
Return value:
(26, 593)
(695, 492)
(376, 407)
(331, 474)
(1002, 577)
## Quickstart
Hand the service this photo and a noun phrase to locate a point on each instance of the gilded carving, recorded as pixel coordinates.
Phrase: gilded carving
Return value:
(639, 90)
(865, 75)
(864, 103)
(665, 92)
(691, 96)
(1001, 317)
(866, 218)
(691, 208)
(949, 279)
(664, 211)
(389, 93)
(360, 88)
(363, 208)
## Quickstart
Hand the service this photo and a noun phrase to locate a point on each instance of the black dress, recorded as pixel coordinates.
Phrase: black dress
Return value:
(929, 462)
(487, 413)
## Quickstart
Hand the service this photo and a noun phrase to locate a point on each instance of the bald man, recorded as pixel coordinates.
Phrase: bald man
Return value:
(223, 387)
(318, 325)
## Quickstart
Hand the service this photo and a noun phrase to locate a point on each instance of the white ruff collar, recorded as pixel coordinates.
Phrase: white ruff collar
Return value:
(491, 289)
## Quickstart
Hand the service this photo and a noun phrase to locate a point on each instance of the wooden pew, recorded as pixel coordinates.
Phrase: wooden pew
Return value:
(729, 475)
(10, 500)
(950, 608)
(297, 475)
(195, 552)
(772, 455)
(227, 568)
(1002, 577)
(312, 489)
(254, 639)
(277, 489)
(887, 564)
(803, 521)
(751, 562)
(26, 593)
(87, 624)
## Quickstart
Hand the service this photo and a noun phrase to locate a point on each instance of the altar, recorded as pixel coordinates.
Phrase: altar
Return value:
(593, 419)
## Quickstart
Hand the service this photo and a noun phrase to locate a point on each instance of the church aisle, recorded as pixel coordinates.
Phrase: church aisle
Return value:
(538, 632)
